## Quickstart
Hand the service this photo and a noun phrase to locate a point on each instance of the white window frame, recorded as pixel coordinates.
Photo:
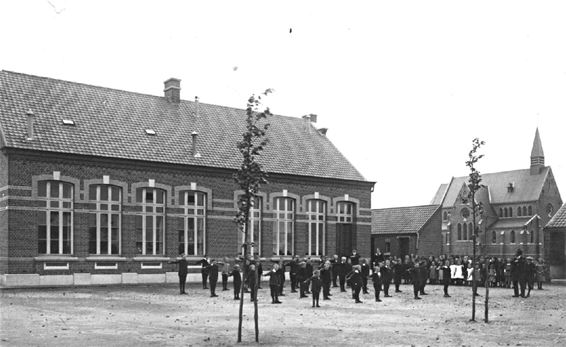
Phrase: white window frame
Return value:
(55, 267)
(109, 212)
(60, 210)
(284, 214)
(145, 265)
(102, 266)
(256, 210)
(345, 212)
(196, 212)
(316, 213)
(154, 214)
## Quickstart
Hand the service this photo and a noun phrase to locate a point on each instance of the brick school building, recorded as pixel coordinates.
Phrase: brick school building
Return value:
(104, 186)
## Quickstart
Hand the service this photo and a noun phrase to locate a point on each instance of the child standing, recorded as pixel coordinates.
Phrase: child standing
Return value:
(274, 283)
(316, 285)
(445, 270)
(237, 281)
(376, 279)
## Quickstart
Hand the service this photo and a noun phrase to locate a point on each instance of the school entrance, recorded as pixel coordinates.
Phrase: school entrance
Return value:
(344, 239)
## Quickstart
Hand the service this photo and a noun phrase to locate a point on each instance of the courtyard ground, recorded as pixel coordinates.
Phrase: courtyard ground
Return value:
(156, 315)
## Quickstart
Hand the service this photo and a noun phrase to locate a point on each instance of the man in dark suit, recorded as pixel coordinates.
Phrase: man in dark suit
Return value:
(182, 271)
(518, 274)
(342, 272)
(355, 279)
(204, 270)
(355, 258)
(213, 277)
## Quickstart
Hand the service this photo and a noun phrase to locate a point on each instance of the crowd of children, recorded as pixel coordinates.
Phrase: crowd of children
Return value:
(355, 272)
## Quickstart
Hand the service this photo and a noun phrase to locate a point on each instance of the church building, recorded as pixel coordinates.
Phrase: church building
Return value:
(105, 186)
(516, 206)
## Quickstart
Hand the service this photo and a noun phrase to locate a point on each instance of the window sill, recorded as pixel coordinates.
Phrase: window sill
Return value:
(151, 258)
(105, 258)
(58, 257)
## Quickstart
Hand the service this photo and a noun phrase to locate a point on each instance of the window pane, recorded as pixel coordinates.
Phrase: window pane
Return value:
(139, 195)
(92, 240)
(104, 193)
(139, 234)
(149, 196)
(115, 193)
(160, 195)
(200, 236)
(54, 191)
(200, 199)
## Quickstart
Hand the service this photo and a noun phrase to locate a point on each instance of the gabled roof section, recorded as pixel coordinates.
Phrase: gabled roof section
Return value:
(401, 220)
(559, 219)
(112, 123)
(440, 193)
(526, 187)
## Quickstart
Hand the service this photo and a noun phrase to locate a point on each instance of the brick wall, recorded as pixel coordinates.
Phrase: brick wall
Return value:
(222, 235)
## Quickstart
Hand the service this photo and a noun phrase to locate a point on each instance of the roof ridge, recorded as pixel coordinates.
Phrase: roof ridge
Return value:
(399, 207)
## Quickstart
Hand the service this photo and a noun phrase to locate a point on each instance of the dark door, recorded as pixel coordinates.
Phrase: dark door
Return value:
(403, 246)
(344, 239)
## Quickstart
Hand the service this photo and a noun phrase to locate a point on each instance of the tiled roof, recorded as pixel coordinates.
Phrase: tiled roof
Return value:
(112, 123)
(400, 220)
(537, 146)
(527, 187)
(510, 223)
(437, 200)
(559, 219)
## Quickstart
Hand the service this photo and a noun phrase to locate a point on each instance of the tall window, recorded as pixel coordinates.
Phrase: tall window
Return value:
(530, 210)
(254, 227)
(465, 232)
(532, 236)
(493, 236)
(445, 215)
(505, 210)
(512, 236)
(284, 228)
(105, 229)
(192, 228)
(519, 211)
(470, 231)
(459, 231)
(316, 212)
(150, 226)
(525, 211)
(55, 227)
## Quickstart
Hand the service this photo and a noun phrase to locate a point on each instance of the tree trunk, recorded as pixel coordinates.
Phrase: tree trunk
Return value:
(242, 286)
(486, 319)
(256, 315)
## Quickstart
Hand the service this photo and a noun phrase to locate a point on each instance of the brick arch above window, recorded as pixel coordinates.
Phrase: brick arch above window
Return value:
(272, 197)
(354, 201)
(97, 181)
(207, 191)
(239, 192)
(312, 197)
(167, 188)
(67, 179)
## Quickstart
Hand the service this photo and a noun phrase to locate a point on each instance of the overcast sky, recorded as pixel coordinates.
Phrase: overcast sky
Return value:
(403, 86)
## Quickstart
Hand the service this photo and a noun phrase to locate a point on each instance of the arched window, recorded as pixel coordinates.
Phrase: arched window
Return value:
(105, 228)
(284, 226)
(445, 215)
(150, 226)
(519, 211)
(500, 212)
(465, 232)
(459, 231)
(55, 226)
(530, 210)
(505, 212)
(493, 236)
(512, 237)
(191, 229)
(532, 236)
(502, 237)
(470, 231)
(525, 211)
(510, 212)
(316, 213)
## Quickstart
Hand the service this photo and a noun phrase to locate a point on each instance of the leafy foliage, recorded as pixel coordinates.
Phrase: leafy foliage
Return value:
(251, 174)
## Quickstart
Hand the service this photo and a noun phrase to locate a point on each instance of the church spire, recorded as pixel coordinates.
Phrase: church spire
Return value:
(537, 155)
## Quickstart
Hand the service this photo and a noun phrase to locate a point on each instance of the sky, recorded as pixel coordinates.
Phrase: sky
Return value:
(403, 86)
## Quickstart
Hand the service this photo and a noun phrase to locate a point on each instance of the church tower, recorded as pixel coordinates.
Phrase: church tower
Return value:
(537, 155)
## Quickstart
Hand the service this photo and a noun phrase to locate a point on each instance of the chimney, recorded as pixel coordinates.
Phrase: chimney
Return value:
(31, 122)
(323, 131)
(195, 152)
(173, 90)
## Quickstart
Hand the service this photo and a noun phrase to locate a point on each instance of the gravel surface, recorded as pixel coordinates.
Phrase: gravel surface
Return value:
(156, 315)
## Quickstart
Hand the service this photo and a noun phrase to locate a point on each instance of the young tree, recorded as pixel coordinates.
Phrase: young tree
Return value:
(474, 184)
(249, 178)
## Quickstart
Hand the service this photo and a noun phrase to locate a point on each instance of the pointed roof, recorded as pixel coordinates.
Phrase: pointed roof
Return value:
(120, 124)
(527, 187)
(537, 146)
(401, 220)
(559, 219)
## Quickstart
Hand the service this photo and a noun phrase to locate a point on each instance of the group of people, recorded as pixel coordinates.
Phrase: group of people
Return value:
(355, 272)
